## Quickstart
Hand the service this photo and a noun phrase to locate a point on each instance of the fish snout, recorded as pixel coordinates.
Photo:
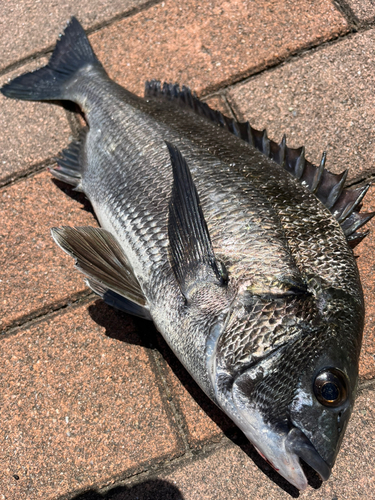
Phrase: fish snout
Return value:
(282, 445)
(297, 443)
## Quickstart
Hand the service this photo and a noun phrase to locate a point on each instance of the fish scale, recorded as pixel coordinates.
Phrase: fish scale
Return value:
(291, 202)
(293, 205)
(252, 338)
(209, 174)
(236, 247)
(142, 245)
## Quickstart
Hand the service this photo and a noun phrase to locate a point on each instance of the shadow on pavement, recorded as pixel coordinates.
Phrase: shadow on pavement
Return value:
(149, 490)
(136, 331)
(133, 330)
(75, 195)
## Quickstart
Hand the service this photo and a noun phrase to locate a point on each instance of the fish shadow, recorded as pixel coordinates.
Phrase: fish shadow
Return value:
(76, 196)
(155, 489)
(136, 331)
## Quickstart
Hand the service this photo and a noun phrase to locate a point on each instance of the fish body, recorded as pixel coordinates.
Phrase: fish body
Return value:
(245, 272)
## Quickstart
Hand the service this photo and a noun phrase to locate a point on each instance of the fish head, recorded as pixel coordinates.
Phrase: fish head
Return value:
(293, 401)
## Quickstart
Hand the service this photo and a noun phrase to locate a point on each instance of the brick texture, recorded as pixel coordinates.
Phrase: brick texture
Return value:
(30, 132)
(78, 407)
(366, 265)
(201, 419)
(36, 275)
(363, 10)
(323, 100)
(28, 26)
(207, 45)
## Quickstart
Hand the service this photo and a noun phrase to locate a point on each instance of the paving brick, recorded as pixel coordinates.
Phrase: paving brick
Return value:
(209, 44)
(28, 26)
(323, 100)
(366, 265)
(229, 473)
(78, 408)
(143, 46)
(201, 418)
(363, 10)
(36, 275)
(219, 103)
(30, 132)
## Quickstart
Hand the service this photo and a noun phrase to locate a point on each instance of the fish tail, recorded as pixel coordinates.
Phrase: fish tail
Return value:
(72, 52)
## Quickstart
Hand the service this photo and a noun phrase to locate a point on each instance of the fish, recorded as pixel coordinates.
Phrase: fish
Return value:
(237, 248)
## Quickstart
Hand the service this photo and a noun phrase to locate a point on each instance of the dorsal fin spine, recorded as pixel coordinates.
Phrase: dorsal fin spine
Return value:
(282, 151)
(328, 187)
(300, 163)
(265, 143)
(250, 134)
(336, 191)
(319, 173)
(236, 129)
(351, 207)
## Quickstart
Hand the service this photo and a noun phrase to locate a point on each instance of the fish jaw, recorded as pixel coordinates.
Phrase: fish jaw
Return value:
(280, 447)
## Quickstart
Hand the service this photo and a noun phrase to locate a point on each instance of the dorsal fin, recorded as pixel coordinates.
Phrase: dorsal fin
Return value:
(328, 187)
(191, 253)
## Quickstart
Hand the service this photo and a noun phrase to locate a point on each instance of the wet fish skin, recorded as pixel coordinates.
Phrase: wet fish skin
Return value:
(258, 294)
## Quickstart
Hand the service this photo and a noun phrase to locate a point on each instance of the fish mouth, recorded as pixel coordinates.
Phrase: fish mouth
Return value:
(283, 447)
(298, 444)
(285, 452)
(294, 448)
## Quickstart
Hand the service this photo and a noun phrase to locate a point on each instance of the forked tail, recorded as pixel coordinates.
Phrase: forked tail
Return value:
(72, 52)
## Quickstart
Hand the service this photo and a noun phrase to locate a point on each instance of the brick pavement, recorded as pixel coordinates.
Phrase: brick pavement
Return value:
(93, 403)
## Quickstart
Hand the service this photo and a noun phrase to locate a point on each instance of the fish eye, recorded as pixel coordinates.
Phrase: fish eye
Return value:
(330, 387)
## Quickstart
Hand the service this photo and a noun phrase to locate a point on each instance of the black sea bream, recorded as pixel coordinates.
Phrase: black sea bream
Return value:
(235, 247)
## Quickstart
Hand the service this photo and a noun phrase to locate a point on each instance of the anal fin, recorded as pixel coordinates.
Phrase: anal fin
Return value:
(70, 162)
(99, 256)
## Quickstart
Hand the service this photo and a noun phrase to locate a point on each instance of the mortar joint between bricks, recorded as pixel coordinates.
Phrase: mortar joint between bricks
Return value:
(158, 360)
(153, 472)
(33, 170)
(42, 314)
(344, 8)
(366, 385)
(47, 51)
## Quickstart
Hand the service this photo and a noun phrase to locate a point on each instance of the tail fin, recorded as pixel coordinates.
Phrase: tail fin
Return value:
(72, 52)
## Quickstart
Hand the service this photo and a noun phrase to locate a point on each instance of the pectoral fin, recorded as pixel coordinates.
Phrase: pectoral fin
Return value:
(118, 301)
(99, 256)
(191, 253)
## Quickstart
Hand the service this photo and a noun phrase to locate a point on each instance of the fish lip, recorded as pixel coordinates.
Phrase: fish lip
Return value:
(297, 443)
(282, 444)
